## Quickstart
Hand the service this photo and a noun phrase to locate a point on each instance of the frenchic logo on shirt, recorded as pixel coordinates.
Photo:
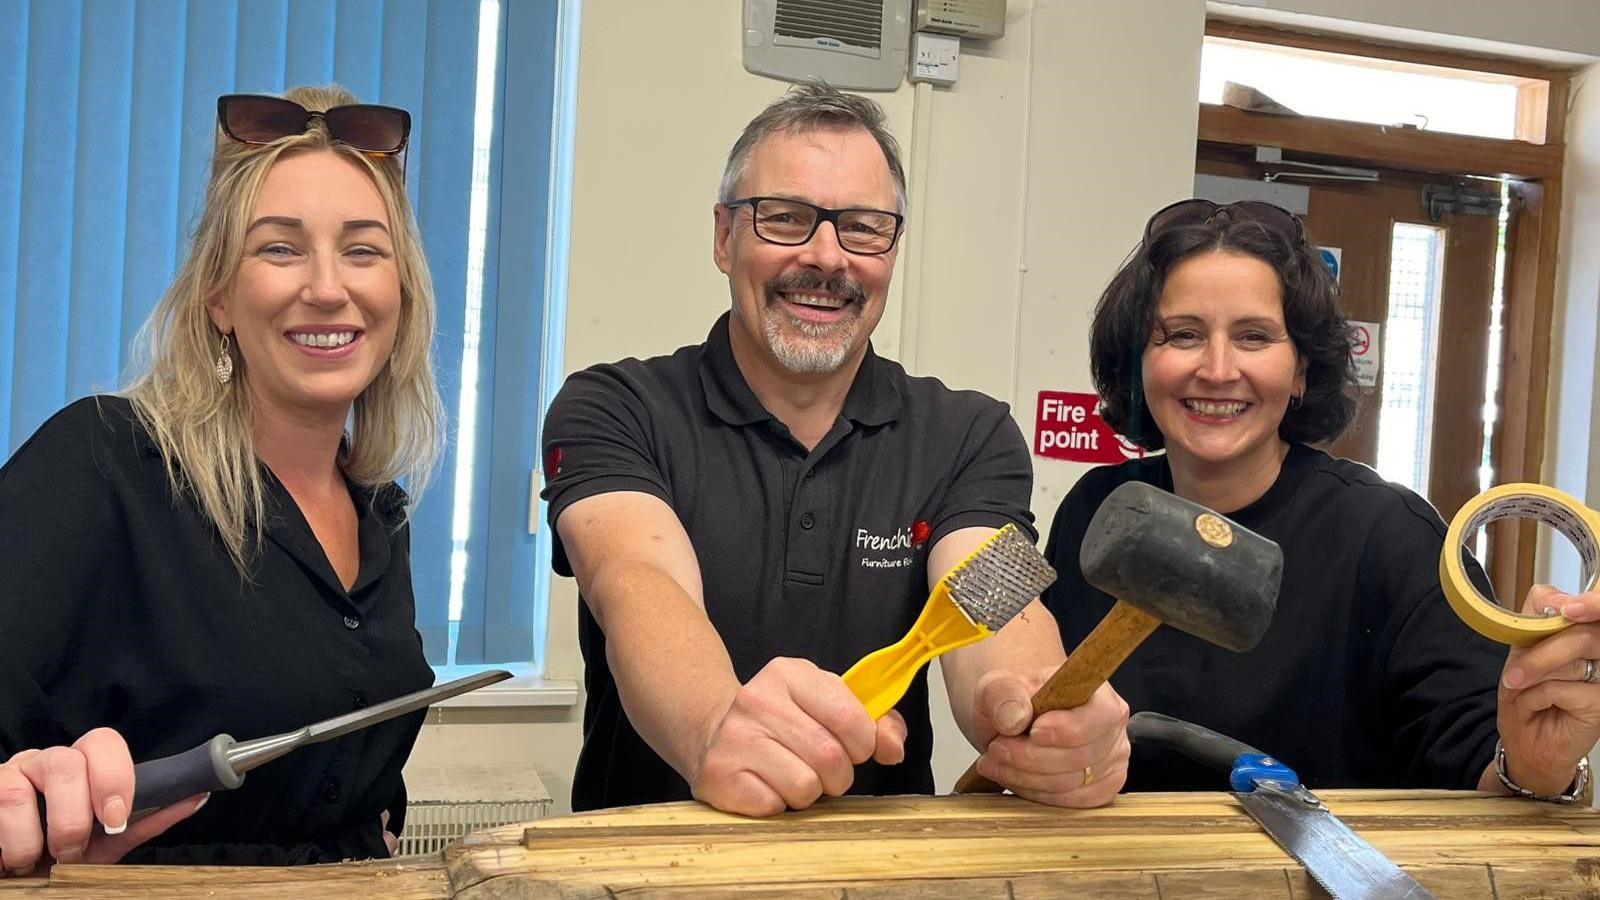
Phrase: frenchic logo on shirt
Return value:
(894, 550)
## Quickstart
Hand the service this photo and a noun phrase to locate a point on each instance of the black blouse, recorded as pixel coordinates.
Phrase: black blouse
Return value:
(120, 607)
(1366, 678)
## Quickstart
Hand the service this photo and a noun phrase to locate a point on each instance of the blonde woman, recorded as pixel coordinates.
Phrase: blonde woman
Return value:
(222, 547)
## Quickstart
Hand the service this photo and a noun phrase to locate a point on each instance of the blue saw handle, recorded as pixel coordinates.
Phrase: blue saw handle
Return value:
(167, 780)
(1244, 764)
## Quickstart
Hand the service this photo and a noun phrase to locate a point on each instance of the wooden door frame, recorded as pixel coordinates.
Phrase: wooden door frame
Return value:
(1530, 278)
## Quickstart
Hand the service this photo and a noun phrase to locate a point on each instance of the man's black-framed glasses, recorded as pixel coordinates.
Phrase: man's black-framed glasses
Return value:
(780, 220)
(1198, 212)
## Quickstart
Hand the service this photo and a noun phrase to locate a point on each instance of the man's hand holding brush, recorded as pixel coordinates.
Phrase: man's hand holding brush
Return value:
(790, 735)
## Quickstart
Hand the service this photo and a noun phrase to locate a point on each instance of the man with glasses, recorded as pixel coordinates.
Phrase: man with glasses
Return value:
(750, 516)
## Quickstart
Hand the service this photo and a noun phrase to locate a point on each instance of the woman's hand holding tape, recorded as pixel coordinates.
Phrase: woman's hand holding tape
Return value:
(1549, 695)
(1549, 716)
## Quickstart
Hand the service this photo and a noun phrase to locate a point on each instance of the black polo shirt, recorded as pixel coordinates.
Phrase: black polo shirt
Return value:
(820, 555)
(120, 608)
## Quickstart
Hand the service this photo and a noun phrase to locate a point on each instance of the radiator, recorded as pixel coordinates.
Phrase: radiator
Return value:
(447, 803)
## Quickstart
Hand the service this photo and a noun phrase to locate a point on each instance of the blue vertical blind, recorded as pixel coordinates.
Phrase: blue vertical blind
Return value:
(107, 119)
(497, 621)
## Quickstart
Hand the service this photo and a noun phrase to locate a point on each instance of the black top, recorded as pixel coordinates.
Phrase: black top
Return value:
(1366, 677)
(819, 555)
(120, 607)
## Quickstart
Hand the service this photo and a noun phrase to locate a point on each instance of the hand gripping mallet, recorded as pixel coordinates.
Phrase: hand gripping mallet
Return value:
(1166, 560)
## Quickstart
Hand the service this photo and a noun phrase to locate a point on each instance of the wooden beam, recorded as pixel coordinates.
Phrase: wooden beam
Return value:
(1383, 146)
(975, 847)
(1529, 316)
(1537, 348)
(1349, 46)
(1555, 123)
(406, 878)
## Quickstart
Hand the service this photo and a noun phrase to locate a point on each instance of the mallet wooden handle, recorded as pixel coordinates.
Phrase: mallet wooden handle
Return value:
(1123, 629)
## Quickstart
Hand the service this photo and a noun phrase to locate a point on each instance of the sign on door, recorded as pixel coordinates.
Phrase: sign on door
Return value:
(1364, 352)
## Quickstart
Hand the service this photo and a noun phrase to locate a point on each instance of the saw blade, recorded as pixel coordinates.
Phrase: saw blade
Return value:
(1341, 861)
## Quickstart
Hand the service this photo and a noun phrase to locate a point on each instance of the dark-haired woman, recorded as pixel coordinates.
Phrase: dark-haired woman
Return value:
(1221, 341)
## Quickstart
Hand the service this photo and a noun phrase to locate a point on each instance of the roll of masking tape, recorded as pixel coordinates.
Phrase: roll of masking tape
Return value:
(1560, 511)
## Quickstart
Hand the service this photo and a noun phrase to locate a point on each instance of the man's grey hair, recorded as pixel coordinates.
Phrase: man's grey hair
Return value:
(806, 107)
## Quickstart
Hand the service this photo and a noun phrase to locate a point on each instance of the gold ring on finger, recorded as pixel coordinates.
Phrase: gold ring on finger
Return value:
(1088, 772)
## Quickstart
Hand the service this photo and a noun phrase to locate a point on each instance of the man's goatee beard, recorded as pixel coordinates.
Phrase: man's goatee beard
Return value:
(820, 349)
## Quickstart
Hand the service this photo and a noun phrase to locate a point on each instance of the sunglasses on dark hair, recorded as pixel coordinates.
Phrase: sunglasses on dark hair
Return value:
(1199, 212)
(261, 119)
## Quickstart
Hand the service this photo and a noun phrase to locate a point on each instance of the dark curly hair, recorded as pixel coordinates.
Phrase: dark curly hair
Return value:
(1126, 316)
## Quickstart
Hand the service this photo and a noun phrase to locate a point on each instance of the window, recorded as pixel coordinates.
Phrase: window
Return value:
(1410, 350)
(1376, 91)
(109, 114)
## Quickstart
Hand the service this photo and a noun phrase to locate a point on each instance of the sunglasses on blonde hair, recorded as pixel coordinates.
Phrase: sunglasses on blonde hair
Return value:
(262, 119)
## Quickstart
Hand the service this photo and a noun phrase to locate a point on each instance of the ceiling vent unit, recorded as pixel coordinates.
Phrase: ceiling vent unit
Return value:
(857, 44)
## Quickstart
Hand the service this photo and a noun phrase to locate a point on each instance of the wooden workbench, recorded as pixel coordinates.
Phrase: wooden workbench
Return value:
(1158, 846)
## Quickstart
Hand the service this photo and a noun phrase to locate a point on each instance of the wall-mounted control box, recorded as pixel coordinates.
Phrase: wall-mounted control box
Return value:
(963, 18)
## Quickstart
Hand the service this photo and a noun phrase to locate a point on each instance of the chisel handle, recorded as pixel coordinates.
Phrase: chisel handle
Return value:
(1247, 767)
(1197, 742)
(160, 782)
(1122, 630)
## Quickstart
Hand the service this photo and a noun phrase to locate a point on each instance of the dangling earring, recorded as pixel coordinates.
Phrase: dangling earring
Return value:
(224, 363)
(1294, 402)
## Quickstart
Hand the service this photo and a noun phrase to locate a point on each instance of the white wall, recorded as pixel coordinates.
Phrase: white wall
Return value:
(1112, 139)
(1572, 447)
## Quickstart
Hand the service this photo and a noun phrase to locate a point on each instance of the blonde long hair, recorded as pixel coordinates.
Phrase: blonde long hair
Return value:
(203, 427)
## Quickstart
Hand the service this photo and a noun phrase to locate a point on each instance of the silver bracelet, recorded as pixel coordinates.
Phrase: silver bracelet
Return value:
(1579, 784)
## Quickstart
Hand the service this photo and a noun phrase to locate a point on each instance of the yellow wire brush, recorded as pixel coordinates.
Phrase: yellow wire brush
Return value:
(971, 602)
